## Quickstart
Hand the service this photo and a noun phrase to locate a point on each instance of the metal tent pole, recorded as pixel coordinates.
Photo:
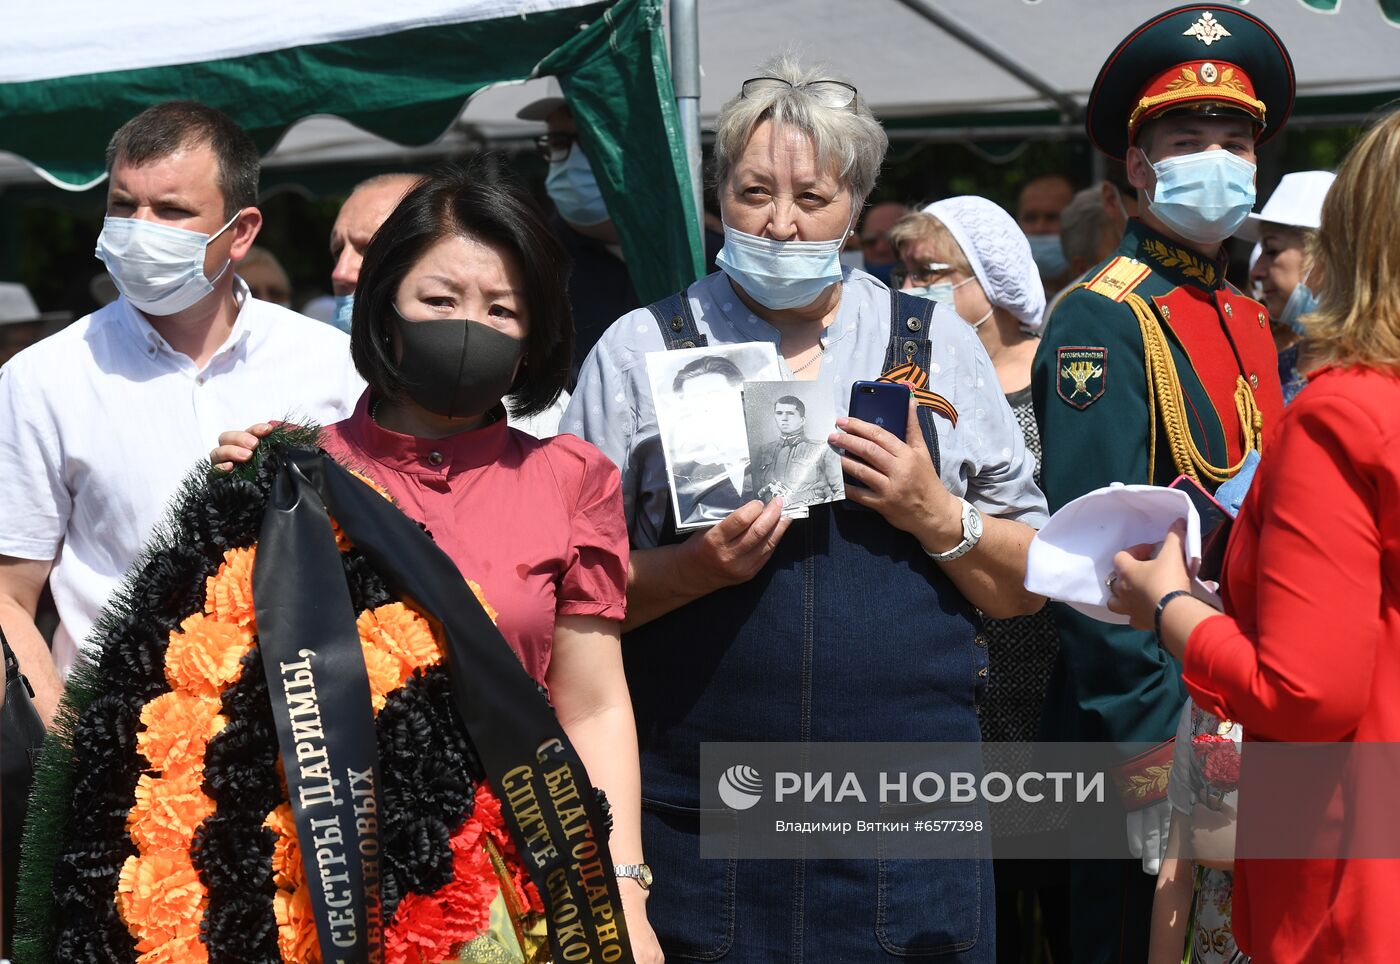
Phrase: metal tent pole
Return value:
(926, 9)
(685, 76)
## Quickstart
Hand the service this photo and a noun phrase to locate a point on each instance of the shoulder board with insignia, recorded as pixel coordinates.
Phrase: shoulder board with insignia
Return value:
(1118, 278)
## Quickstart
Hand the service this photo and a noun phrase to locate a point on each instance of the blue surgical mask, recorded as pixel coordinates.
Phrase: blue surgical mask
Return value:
(780, 274)
(574, 190)
(1048, 255)
(1301, 302)
(1203, 197)
(941, 292)
(159, 268)
(344, 311)
(881, 269)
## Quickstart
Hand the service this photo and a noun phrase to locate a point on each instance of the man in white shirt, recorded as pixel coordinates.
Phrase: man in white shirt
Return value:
(103, 420)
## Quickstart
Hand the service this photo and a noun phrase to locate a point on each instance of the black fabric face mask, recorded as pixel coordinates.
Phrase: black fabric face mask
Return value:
(456, 367)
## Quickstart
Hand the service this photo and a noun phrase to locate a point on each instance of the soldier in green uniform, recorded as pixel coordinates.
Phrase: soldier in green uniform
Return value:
(795, 468)
(1153, 368)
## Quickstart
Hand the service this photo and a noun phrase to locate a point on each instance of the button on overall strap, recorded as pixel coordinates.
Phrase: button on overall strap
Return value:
(677, 323)
(909, 326)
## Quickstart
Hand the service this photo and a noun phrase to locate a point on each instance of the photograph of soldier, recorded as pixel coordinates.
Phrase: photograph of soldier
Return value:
(788, 423)
(700, 414)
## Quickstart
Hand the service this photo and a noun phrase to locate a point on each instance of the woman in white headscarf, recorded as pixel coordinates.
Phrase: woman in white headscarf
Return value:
(968, 252)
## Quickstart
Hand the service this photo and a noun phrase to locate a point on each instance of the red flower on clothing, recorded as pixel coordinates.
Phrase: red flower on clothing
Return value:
(1219, 757)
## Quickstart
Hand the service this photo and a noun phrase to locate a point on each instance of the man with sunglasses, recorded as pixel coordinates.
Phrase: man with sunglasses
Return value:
(600, 287)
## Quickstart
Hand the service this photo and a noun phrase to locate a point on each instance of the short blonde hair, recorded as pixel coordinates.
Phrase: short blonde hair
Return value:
(918, 228)
(849, 141)
(1358, 257)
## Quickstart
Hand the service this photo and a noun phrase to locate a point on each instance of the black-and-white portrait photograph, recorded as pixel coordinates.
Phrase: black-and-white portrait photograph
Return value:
(788, 424)
(698, 393)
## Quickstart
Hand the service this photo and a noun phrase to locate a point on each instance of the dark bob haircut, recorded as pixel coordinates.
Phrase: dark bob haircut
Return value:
(474, 200)
(162, 130)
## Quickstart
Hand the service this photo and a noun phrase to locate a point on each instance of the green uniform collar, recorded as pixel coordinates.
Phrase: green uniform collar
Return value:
(1178, 265)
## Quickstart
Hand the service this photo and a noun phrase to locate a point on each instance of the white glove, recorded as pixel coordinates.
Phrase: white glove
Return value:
(1147, 834)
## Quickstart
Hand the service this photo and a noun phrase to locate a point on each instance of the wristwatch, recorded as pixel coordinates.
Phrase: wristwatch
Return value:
(641, 873)
(971, 530)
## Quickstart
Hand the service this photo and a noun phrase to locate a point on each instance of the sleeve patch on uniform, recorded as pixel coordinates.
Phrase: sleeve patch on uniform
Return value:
(1118, 277)
(1081, 374)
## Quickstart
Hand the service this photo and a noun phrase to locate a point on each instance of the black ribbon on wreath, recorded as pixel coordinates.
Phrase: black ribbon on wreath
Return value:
(325, 726)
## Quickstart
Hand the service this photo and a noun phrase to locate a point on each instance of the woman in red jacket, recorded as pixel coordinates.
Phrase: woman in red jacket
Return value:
(1308, 649)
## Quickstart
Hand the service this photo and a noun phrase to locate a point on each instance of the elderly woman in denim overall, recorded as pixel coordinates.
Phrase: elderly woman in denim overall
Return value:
(848, 625)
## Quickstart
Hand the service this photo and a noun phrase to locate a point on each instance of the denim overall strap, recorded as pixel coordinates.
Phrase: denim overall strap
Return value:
(677, 323)
(909, 324)
(848, 633)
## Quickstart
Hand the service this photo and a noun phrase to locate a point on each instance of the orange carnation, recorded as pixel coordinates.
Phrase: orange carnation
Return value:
(160, 898)
(287, 871)
(182, 950)
(372, 484)
(178, 727)
(168, 810)
(385, 673)
(203, 655)
(481, 598)
(401, 632)
(296, 928)
(228, 594)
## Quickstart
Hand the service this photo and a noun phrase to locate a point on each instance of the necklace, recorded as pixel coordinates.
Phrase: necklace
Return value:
(374, 411)
(808, 363)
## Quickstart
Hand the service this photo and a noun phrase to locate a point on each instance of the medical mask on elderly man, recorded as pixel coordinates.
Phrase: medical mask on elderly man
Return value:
(344, 312)
(780, 274)
(574, 190)
(1048, 255)
(1204, 197)
(159, 268)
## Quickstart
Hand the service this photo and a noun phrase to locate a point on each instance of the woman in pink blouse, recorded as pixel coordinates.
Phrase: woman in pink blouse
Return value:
(461, 302)
(1308, 649)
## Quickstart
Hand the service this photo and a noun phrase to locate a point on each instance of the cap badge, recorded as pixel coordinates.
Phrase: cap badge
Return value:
(1209, 73)
(1207, 30)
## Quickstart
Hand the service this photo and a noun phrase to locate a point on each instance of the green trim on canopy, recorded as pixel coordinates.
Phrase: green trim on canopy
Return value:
(409, 87)
(616, 79)
(1390, 8)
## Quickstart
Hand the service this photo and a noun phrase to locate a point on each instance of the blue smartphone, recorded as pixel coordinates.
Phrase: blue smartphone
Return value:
(885, 404)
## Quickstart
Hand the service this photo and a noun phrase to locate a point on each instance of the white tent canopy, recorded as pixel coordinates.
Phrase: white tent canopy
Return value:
(906, 66)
